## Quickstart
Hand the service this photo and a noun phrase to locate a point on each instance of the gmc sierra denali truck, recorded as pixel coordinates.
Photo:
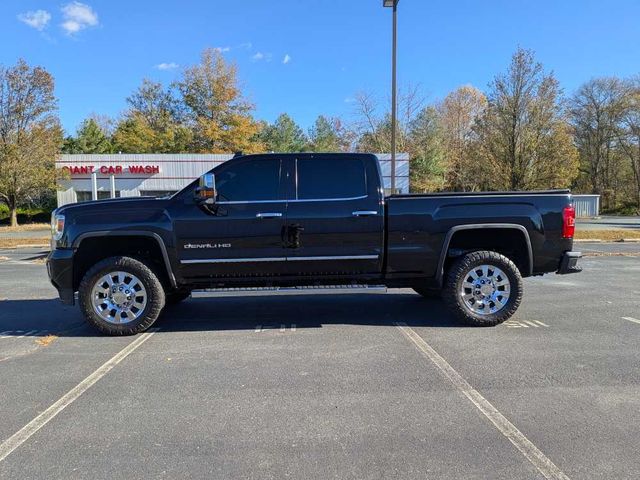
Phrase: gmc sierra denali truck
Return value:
(305, 219)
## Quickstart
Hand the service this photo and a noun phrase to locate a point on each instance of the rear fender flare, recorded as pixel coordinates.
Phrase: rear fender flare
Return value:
(478, 226)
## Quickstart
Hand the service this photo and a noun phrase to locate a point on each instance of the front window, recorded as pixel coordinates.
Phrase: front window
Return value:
(250, 180)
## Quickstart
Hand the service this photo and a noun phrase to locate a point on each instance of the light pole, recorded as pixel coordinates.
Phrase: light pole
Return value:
(394, 5)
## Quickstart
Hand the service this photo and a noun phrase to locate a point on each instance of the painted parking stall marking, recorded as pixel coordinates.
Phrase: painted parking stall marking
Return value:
(631, 319)
(7, 334)
(22, 435)
(525, 324)
(282, 328)
(538, 459)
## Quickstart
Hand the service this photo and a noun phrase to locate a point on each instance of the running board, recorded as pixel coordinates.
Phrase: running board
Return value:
(263, 291)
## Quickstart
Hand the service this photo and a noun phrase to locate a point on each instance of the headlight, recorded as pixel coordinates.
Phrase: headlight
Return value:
(57, 226)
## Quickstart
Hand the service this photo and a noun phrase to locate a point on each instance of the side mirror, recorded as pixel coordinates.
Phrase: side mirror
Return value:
(205, 192)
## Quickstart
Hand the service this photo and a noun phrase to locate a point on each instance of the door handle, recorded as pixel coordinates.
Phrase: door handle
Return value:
(364, 213)
(268, 215)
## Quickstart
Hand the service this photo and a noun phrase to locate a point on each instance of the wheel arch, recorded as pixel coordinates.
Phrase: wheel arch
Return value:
(486, 227)
(134, 234)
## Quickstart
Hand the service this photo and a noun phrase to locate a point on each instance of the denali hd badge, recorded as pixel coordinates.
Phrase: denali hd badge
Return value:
(207, 245)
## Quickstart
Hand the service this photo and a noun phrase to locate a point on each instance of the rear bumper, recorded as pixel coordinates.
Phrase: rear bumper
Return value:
(60, 270)
(569, 263)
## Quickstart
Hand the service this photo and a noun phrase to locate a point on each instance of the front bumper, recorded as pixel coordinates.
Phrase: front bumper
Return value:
(569, 263)
(60, 270)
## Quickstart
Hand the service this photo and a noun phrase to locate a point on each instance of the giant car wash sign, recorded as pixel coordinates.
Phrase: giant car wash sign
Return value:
(112, 169)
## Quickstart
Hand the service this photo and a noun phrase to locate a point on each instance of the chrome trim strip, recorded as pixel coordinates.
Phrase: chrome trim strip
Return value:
(334, 257)
(299, 200)
(234, 260)
(364, 213)
(244, 202)
(279, 259)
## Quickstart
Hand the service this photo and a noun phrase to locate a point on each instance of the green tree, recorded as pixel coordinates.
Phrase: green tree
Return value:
(458, 114)
(428, 168)
(328, 135)
(91, 138)
(217, 110)
(154, 123)
(523, 136)
(284, 135)
(30, 134)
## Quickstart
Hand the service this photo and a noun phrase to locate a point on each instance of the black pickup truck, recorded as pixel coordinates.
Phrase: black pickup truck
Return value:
(286, 220)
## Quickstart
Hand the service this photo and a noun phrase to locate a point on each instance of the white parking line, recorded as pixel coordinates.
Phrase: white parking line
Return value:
(67, 399)
(631, 319)
(539, 460)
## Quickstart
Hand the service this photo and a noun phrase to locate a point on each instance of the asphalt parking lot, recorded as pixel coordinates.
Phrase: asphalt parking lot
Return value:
(327, 386)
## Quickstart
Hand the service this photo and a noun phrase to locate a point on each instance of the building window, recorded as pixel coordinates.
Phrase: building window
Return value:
(102, 195)
(157, 193)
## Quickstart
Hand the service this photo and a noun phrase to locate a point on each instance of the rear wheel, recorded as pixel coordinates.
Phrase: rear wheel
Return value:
(483, 288)
(121, 296)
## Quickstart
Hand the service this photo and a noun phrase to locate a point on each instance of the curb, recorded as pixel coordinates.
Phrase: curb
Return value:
(598, 240)
(25, 246)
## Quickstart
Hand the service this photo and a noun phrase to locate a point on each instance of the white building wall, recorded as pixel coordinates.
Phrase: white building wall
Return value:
(176, 171)
(587, 205)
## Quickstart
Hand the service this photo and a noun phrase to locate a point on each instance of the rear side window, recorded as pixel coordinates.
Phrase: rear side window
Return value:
(324, 178)
(251, 180)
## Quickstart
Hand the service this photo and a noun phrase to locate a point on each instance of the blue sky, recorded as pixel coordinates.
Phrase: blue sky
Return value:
(100, 50)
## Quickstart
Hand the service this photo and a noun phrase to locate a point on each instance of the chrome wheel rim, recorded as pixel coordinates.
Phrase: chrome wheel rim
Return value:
(485, 289)
(119, 297)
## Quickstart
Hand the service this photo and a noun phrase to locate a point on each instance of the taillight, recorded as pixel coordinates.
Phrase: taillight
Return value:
(568, 221)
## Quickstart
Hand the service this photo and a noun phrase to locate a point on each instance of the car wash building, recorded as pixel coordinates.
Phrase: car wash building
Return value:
(95, 177)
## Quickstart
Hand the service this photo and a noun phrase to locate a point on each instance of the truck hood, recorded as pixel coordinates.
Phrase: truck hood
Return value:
(112, 204)
(139, 214)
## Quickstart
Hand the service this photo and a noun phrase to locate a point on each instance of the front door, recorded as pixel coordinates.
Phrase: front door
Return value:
(335, 219)
(241, 234)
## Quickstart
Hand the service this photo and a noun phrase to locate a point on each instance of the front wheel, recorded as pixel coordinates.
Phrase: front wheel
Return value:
(483, 288)
(121, 296)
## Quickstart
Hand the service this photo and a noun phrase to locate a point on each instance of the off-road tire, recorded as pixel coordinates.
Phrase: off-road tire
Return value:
(453, 286)
(153, 287)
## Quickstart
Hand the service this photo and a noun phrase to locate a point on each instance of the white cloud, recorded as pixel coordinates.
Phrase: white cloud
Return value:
(37, 19)
(78, 16)
(246, 45)
(259, 56)
(286, 59)
(167, 66)
(223, 49)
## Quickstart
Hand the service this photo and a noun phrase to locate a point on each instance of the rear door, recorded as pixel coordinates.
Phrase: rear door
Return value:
(335, 216)
(241, 235)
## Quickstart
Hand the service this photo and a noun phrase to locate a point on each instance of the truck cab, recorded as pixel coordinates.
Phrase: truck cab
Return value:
(283, 216)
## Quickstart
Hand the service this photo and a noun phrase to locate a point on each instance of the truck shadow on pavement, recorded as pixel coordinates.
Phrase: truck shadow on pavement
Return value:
(41, 317)
(306, 311)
